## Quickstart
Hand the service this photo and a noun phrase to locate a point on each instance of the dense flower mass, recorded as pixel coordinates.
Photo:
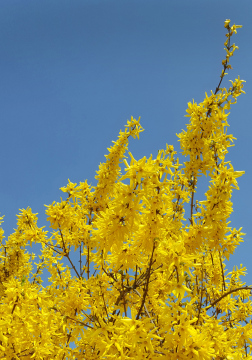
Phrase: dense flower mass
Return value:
(128, 276)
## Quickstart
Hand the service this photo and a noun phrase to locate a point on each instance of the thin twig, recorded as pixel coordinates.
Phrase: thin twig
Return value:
(226, 294)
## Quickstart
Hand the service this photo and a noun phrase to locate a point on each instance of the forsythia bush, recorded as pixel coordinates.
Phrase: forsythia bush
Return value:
(128, 276)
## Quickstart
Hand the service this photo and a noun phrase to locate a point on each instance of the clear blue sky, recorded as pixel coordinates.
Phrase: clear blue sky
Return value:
(73, 72)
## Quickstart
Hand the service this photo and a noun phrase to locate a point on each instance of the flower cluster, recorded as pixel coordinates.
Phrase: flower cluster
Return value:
(128, 276)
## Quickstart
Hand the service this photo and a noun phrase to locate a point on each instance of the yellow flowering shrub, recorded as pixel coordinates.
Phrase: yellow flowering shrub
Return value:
(128, 276)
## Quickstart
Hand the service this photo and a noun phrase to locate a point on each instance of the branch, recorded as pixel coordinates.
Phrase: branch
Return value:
(66, 254)
(147, 283)
(228, 293)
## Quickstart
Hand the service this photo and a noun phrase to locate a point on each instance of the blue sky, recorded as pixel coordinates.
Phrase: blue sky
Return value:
(73, 72)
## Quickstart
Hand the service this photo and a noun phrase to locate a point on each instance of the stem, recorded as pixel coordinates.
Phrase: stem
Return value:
(66, 254)
(146, 284)
(226, 294)
(222, 271)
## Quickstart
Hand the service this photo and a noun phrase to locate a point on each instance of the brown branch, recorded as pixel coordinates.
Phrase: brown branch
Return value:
(225, 66)
(222, 271)
(37, 272)
(224, 69)
(15, 304)
(192, 199)
(228, 293)
(88, 247)
(123, 292)
(80, 260)
(52, 247)
(66, 254)
(79, 322)
(135, 276)
(105, 307)
(147, 283)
